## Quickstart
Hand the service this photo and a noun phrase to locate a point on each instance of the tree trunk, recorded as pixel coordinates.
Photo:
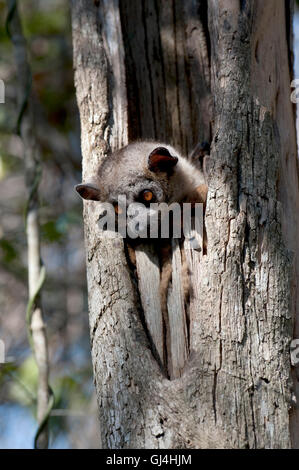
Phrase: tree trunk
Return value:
(149, 70)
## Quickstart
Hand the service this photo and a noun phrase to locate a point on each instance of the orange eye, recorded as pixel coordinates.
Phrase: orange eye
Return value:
(147, 195)
(118, 210)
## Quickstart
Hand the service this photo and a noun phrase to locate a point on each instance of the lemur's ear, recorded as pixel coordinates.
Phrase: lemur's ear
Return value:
(88, 191)
(161, 160)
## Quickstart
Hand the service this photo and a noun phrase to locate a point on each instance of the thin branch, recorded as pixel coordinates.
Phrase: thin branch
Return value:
(26, 129)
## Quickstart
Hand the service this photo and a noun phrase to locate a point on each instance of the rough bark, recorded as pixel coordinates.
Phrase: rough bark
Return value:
(145, 70)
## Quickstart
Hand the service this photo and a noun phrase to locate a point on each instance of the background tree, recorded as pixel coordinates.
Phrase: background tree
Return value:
(184, 72)
(73, 423)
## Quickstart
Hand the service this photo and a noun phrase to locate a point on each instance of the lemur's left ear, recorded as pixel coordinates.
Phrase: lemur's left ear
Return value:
(161, 160)
(88, 191)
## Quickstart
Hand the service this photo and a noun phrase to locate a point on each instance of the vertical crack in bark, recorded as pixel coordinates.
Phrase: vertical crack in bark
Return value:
(238, 153)
(289, 6)
(132, 92)
(243, 4)
(251, 392)
(189, 87)
(150, 78)
(188, 297)
(204, 15)
(214, 395)
(177, 81)
(163, 92)
(217, 369)
(166, 344)
(133, 276)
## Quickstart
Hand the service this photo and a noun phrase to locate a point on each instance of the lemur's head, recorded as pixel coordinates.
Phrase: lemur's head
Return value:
(141, 171)
(139, 174)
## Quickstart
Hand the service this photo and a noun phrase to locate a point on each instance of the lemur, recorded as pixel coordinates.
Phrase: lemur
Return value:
(150, 172)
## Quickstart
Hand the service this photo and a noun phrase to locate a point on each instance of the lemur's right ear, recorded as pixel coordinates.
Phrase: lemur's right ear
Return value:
(160, 159)
(88, 191)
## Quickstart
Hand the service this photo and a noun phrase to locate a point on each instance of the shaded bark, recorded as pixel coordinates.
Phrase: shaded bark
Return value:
(148, 70)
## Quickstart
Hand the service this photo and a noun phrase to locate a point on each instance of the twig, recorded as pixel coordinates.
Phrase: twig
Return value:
(36, 272)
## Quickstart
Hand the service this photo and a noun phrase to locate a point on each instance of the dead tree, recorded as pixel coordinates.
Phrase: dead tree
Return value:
(183, 73)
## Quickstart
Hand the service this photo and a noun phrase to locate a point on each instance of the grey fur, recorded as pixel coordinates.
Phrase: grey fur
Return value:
(126, 172)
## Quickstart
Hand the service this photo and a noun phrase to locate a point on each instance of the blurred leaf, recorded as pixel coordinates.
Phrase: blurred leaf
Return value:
(6, 369)
(9, 253)
(8, 163)
(45, 22)
(67, 219)
(23, 387)
(51, 231)
(70, 391)
(55, 230)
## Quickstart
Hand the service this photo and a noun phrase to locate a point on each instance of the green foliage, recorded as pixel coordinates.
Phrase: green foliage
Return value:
(70, 392)
(23, 386)
(8, 251)
(3, 36)
(69, 389)
(45, 22)
(51, 232)
(56, 230)
(8, 163)
(6, 369)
